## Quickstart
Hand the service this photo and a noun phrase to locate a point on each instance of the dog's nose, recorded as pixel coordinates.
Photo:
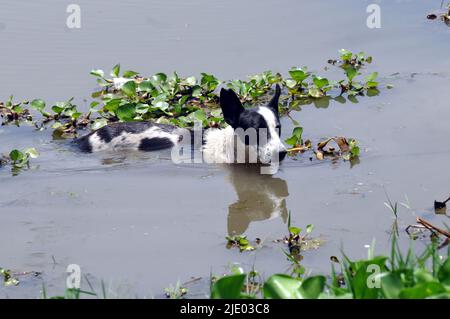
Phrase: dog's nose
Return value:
(282, 155)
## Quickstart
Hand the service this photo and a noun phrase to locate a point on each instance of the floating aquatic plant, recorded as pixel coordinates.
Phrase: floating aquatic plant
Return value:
(171, 99)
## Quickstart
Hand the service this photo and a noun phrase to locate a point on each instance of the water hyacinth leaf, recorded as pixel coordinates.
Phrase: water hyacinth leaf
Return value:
(191, 80)
(112, 105)
(16, 155)
(371, 84)
(372, 77)
(126, 112)
(146, 86)
(115, 71)
(351, 73)
(98, 73)
(315, 92)
(346, 55)
(129, 74)
(229, 287)
(309, 228)
(320, 82)
(142, 108)
(294, 230)
(209, 81)
(99, 123)
(38, 105)
(290, 83)
(298, 75)
(296, 138)
(282, 287)
(243, 241)
(75, 115)
(129, 88)
(162, 105)
(312, 287)
(200, 115)
(57, 109)
(159, 78)
(196, 91)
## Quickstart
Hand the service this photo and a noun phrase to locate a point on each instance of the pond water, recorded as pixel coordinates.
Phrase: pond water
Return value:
(140, 222)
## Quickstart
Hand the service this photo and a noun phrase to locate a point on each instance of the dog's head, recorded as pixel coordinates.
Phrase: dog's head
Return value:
(259, 127)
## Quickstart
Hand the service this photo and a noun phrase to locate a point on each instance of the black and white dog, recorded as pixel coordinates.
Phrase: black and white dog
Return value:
(253, 131)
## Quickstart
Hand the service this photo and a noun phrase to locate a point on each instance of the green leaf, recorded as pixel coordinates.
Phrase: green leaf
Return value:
(291, 141)
(350, 72)
(391, 285)
(99, 123)
(294, 230)
(422, 291)
(371, 77)
(290, 83)
(196, 91)
(371, 84)
(129, 74)
(315, 92)
(57, 109)
(298, 75)
(98, 73)
(297, 132)
(209, 82)
(309, 228)
(200, 115)
(112, 105)
(38, 105)
(228, 287)
(159, 78)
(146, 86)
(129, 88)
(282, 287)
(126, 112)
(162, 105)
(115, 71)
(76, 115)
(345, 54)
(16, 155)
(312, 287)
(191, 80)
(320, 82)
(444, 272)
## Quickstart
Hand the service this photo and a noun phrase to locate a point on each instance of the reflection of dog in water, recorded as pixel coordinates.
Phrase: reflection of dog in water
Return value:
(260, 197)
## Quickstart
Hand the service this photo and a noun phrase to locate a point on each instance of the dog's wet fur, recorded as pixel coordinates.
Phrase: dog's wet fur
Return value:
(218, 144)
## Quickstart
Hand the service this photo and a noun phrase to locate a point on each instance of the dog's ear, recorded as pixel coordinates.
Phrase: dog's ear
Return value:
(273, 104)
(231, 107)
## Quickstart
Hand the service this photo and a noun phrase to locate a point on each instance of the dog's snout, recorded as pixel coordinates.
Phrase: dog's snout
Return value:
(282, 155)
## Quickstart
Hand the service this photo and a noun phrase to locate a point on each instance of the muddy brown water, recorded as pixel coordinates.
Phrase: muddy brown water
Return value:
(140, 222)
